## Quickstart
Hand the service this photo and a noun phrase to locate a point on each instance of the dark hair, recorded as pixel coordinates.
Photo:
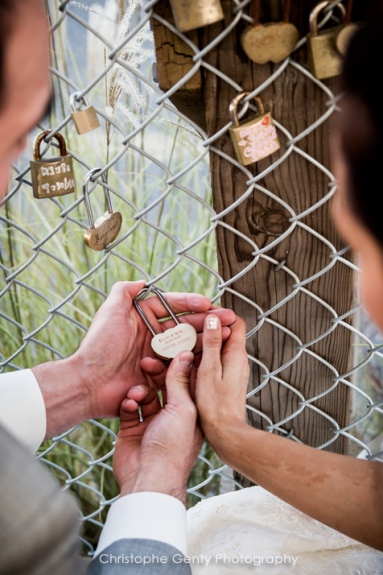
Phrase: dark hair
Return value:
(361, 124)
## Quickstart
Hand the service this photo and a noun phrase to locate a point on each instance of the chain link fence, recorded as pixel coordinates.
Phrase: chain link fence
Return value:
(156, 164)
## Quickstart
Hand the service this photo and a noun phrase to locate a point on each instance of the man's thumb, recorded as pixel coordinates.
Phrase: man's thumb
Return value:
(178, 377)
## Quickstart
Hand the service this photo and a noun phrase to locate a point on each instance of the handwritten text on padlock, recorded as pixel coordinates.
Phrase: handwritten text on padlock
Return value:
(258, 141)
(171, 342)
(51, 186)
(65, 184)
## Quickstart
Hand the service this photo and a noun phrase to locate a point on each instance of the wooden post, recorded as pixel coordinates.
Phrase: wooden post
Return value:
(295, 102)
(174, 61)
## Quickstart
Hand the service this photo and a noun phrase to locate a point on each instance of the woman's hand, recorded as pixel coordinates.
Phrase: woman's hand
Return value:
(222, 380)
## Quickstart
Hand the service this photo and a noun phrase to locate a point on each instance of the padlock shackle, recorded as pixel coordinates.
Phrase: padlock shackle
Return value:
(87, 178)
(40, 138)
(234, 105)
(256, 11)
(313, 19)
(73, 98)
(141, 295)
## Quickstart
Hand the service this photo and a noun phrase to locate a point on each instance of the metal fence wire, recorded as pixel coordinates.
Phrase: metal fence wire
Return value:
(156, 165)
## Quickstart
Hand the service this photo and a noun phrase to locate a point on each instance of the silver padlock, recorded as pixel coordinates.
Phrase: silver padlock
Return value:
(105, 229)
(169, 343)
(85, 119)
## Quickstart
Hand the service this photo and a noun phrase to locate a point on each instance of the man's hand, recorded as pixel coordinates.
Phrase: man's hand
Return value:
(158, 453)
(93, 382)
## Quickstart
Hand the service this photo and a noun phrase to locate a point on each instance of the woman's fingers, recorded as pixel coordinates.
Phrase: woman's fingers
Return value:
(212, 344)
(197, 320)
(223, 372)
(192, 307)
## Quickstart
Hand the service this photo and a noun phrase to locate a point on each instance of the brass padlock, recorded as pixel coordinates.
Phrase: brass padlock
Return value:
(192, 14)
(51, 176)
(325, 59)
(105, 229)
(255, 139)
(270, 42)
(84, 119)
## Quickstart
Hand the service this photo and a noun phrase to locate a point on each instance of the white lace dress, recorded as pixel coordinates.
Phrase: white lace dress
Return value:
(252, 531)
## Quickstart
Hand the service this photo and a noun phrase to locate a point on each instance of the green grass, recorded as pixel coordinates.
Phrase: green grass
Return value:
(53, 270)
(33, 300)
(51, 281)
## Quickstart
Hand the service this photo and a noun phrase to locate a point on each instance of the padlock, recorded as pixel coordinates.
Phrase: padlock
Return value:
(192, 14)
(325, 60)
(84, 119)
(270, 42)
(345, 36)
(347, 31)
(105, 229)
(169, 343)
(51, 176)
(255, 139)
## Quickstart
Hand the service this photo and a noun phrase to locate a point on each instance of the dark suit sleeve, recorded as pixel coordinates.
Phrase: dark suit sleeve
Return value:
(139, 557)
(39, 523)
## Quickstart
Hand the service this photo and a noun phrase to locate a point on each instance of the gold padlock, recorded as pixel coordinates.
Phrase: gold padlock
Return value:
(105, 229)
(51, 176)
(255, 139)
(192, 14)
(84, 119)
(325, 59)
(270, 42)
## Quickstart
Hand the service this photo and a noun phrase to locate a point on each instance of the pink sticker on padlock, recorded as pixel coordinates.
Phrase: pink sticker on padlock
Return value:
(259, 140)
(255, 139)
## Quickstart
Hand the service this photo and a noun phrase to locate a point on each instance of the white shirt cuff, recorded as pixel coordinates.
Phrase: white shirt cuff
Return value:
(22, 408)
(145, 515)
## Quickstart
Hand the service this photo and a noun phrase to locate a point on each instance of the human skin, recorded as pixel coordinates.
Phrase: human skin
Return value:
(330, 487)
(94, 381)
(97, 377)
(152, 453)
(27, 83)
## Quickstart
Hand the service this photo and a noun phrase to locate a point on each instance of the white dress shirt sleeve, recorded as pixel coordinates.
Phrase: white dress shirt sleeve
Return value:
(22, 408)
(145, 515)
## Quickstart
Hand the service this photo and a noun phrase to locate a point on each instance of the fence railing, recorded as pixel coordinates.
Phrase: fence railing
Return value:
(157, 167)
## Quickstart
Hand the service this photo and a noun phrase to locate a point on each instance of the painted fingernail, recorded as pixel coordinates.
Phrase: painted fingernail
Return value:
(212, 322)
